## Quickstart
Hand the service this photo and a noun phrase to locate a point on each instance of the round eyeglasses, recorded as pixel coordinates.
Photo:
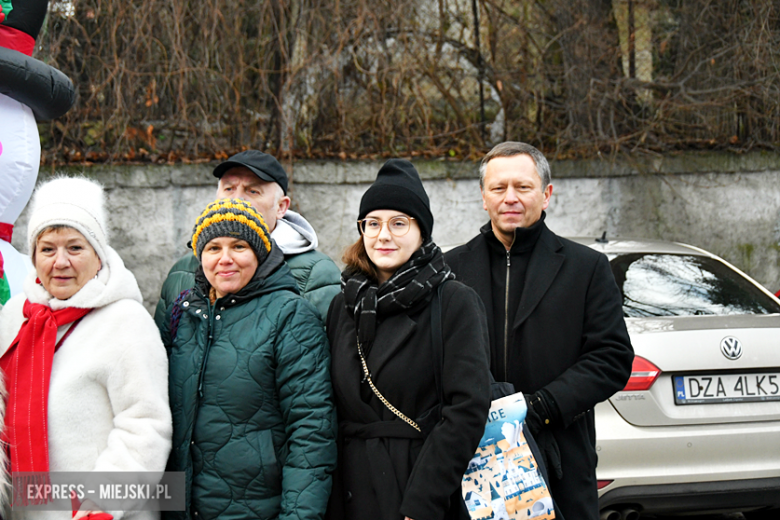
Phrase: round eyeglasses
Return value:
(398, 226)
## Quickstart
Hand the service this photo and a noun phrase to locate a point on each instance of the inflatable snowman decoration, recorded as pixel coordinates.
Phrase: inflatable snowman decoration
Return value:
(30, 90)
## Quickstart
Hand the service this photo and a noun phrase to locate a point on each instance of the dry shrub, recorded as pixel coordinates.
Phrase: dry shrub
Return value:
(171, 80)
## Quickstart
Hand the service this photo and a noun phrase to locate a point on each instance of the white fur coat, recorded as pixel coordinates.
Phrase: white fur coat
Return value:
(108, 396)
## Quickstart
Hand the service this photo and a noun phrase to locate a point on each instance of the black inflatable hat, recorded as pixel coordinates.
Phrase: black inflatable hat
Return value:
(46, 90)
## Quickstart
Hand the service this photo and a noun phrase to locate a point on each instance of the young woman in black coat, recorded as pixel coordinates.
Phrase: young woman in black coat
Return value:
(402, 455)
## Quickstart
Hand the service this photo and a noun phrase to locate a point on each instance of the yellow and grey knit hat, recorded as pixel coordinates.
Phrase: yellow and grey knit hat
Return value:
(231, 218)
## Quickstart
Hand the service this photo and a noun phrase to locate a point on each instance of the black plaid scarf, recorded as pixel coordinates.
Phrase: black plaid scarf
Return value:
(409, 285)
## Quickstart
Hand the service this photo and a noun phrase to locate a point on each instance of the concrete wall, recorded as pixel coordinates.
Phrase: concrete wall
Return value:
(727, 204)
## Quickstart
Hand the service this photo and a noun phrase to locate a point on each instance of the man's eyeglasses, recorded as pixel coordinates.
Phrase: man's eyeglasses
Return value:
(398, 226)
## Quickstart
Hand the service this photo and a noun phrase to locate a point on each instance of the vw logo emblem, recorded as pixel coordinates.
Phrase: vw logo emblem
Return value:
(731, 347)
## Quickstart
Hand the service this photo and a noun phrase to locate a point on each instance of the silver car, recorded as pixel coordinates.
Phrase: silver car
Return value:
(697, 428)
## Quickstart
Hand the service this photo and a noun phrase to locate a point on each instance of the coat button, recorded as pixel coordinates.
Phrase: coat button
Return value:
(197, 311)
(218, 317)
(222, 308)
(185, 304)
(205, 316)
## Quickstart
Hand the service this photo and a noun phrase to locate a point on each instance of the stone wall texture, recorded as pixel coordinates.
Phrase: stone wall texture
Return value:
(726, 204)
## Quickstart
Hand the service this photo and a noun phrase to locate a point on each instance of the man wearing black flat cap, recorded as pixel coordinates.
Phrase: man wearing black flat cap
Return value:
(259, 179)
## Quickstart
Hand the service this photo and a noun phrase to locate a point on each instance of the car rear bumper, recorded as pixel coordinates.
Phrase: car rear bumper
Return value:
(707, 467)
(735, 495)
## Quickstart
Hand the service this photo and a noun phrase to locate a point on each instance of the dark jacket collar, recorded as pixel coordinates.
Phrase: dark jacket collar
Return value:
(543, 266)
(525, 238)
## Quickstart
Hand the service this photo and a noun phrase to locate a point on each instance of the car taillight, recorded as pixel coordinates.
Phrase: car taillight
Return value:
(643, 375)
(603, 483)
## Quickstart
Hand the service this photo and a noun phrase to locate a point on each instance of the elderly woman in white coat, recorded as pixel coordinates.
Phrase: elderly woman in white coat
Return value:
(86, 371)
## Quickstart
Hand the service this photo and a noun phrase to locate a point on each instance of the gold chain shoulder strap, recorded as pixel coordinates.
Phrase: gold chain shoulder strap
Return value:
(379, 394)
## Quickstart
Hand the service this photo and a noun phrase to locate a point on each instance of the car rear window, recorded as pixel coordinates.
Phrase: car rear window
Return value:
(685, 285)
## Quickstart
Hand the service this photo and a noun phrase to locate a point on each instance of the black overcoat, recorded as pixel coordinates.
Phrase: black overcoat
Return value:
(386, 469)
(570, 338)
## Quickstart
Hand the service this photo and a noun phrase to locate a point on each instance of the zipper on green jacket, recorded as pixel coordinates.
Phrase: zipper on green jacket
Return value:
(210, 319)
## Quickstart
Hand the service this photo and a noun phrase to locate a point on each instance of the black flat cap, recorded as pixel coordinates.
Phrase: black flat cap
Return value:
(261, 164)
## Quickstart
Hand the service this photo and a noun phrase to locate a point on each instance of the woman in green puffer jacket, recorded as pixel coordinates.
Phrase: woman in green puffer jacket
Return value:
(253, 422)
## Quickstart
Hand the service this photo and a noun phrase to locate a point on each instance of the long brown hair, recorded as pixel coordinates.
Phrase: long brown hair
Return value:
(357, 261)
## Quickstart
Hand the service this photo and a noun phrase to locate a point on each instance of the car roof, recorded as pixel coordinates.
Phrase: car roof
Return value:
(638, 245)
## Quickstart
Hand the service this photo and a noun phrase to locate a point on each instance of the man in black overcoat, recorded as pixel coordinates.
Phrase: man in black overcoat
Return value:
(555, 317)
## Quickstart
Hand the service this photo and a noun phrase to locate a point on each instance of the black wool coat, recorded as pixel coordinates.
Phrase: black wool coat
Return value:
(570, 338)
(386, 469)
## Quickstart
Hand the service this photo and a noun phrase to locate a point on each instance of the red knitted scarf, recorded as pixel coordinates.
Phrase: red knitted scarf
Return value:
(27, 366)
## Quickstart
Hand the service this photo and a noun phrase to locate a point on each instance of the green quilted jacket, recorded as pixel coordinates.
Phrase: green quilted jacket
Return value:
(318, 279)
(253, 420)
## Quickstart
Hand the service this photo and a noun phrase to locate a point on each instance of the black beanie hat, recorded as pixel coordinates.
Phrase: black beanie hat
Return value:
(398, 186)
